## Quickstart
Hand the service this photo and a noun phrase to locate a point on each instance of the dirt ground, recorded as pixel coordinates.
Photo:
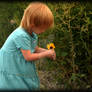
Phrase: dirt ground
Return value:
(47, 82)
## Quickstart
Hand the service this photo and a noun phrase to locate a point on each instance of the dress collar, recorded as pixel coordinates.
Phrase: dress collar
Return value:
(33, 36)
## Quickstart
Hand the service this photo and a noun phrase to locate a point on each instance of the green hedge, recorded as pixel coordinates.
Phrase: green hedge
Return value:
(71, 35)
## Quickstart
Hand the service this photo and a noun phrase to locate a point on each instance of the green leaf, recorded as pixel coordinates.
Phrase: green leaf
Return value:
(82, 75)
(63, 63)
(88, 86)
(64, 54)
(73, 77)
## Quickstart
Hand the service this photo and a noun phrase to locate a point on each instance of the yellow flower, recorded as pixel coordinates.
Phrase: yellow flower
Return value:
(51, 46)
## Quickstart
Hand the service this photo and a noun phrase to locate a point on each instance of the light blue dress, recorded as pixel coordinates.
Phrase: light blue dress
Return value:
(15, 72)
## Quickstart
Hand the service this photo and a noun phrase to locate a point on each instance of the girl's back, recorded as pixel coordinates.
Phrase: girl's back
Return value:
(15, 71)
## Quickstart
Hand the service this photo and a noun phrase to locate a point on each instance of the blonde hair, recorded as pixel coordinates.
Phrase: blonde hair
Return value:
(37, 14)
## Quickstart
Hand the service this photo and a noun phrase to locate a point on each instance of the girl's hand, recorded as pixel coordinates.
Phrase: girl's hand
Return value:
(51, 54)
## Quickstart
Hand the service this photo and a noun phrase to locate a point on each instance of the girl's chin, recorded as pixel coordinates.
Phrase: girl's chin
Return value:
(38, 33)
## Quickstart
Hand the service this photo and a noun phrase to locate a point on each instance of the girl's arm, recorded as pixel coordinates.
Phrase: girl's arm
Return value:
(39, 49)
(36, 56)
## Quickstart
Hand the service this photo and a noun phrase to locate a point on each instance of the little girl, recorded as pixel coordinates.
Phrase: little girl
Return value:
(20, 50)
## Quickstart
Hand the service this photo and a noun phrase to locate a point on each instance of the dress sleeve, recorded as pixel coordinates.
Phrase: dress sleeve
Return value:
(23, 42)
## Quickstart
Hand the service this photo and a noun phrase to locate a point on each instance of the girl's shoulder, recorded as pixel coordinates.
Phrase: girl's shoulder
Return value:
(20, 32)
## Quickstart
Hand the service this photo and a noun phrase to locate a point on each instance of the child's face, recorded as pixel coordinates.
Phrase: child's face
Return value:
(39, 30)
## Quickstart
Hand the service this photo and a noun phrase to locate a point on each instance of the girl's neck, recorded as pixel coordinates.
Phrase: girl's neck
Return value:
(31, 32)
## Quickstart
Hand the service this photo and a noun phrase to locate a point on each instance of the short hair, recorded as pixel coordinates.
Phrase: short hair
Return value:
(38, 14)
